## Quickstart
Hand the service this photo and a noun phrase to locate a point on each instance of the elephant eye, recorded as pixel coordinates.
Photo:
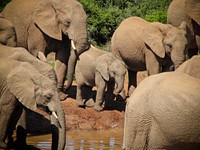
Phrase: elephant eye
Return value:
(169, 45)
(48, 97)
(67, 22)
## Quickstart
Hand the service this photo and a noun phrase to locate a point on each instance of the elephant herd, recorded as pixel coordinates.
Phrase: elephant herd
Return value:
(162, 112)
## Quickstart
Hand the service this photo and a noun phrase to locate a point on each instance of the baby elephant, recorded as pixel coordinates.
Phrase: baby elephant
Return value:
(100, 68)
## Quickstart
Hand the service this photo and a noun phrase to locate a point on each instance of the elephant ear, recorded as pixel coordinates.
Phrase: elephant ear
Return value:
(192, 8)
(22, 87)
(44, 16)
(153, 37)
(102, 67)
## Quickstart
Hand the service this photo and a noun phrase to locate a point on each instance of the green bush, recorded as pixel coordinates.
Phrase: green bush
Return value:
(104, 16)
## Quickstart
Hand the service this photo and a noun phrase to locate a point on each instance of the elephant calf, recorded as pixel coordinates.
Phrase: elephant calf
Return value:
(164, 113)
(100, 68)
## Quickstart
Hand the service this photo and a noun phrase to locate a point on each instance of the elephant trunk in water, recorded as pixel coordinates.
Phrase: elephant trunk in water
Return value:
(74, 56)
(58, 125)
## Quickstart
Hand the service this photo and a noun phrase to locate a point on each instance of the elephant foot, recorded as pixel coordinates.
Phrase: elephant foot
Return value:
(80, 103)
(89, 103)
(98, 108)
(62, 95)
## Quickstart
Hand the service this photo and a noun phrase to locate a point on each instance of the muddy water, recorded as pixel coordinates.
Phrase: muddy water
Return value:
(83, 140)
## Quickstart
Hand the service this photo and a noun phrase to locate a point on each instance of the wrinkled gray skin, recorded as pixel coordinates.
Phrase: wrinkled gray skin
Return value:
(50, 25)
(164, 113)
(191, 67)
(102, 69)
(7, 32)
(26, 84)
(188, 11)
(154, 47)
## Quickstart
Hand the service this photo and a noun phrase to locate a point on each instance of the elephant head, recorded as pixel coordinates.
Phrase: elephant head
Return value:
(58, 19)
(34, 90)
(167, 40)
(188, 11)
(112, 68)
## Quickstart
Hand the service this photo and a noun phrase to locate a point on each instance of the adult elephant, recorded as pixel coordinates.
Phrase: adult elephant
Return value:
(24, 87)
(49, 26)
(163, 113)
(7, 32)
(42, 71)
(188, 11)
(154, 47)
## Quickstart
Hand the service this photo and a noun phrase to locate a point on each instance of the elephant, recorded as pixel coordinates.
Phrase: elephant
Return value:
(163, 113)
(191, 67)
(49, 26)
(7, 32)
(188, 11)
(24, 87)
(20, 54)
(99, 68)
(154, 47)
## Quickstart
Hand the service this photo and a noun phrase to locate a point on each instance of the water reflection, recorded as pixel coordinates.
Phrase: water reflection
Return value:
(83, 140)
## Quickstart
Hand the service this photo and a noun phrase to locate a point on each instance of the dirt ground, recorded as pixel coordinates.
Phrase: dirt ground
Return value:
(82, 118)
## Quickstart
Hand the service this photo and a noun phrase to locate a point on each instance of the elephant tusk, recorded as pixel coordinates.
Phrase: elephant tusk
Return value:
(54, 114)
(73, 45)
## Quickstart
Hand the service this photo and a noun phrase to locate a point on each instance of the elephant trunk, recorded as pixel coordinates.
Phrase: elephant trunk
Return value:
(120, 84)
(74, 56)
(58, 126)
(177, 60)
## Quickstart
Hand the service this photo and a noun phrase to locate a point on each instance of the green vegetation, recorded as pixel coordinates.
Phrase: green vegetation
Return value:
(104, 16)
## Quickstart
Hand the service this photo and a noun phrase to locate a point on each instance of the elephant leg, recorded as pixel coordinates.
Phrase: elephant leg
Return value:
(62, 57)
(79, 98)
(21, 131)
(198, 42)
(196, 27)
(156, 139)
(15, 117)
(132, 81)
(152, 63)
(7, 103)
(99, 96)
(89, 102)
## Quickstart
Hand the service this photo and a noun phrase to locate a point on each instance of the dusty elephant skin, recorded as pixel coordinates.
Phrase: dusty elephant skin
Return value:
(102, 69)
(154, 47)
(188, 11)
(164, 113)
(27, 86)
(7, 32)
(50, 25)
